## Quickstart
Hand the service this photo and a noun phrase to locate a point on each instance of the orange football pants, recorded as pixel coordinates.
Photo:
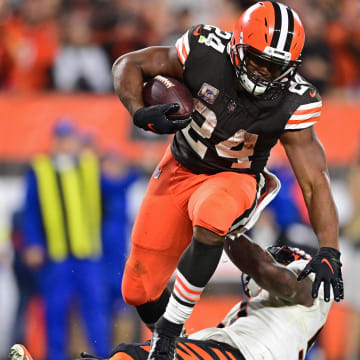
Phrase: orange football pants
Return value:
(176, 201)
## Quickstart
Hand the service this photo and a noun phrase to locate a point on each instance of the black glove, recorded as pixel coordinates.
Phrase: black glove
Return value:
(327, 268)
(154, 118)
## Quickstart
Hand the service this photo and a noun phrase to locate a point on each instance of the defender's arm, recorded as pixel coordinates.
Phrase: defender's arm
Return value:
(251, 259)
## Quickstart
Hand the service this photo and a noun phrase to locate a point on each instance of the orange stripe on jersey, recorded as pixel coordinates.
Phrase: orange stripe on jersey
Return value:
(186, 288)
(308, 111)
(186, 297)
(121, 356)
(219, 354)
(199, 351)
(312, 119)
(188, 355)
(181, 48)
(145, 347)
(230, 355)
(184, 52)
(179, 55)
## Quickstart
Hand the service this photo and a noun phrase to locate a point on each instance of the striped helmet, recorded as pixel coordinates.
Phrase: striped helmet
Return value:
(270, 34)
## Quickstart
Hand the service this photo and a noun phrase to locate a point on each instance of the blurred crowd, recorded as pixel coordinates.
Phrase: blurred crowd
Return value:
(69, 45)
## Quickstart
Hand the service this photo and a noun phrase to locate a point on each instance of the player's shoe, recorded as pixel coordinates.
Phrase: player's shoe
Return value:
(163, 347)
(19, 352)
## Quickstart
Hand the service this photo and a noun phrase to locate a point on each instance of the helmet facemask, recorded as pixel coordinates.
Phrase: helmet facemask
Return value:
(280, 71)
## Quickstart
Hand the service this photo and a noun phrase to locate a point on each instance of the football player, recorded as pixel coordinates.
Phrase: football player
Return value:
(247, 95)
(278, 321)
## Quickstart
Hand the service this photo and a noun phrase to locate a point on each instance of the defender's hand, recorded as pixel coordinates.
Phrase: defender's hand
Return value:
(327, 268)
(154, 118)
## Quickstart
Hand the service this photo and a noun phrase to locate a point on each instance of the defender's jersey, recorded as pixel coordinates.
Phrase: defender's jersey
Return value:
(186, 349)
(231, 129)
(268, 328)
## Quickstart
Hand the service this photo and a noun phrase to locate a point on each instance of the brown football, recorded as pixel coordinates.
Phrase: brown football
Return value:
(165, 90)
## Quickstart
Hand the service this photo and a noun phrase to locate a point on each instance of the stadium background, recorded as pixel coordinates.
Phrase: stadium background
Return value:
(41, 81)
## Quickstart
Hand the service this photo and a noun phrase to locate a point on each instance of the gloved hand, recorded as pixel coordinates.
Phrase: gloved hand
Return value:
(327, 268)
(154, 118)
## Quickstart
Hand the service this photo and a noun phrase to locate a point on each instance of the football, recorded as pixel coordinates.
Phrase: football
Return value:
(165, 90)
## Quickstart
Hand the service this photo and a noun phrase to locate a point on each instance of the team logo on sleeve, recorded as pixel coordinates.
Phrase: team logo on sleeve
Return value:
(208, 93)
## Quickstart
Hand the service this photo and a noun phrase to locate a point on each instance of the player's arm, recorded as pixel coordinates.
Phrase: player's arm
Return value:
(251, 259)
(307, 158)
(132, 69)
(129, 73)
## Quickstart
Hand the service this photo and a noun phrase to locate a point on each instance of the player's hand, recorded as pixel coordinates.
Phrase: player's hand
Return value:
(327, 268)
(154, 118)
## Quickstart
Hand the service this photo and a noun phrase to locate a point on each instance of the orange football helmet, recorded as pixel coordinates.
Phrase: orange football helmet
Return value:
(271, 35)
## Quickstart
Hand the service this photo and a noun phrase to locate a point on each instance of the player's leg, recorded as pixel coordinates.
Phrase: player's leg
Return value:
(213, 208)
(161, 232)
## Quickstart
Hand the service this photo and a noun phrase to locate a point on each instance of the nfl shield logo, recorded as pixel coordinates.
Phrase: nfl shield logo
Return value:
(231, 106)
(208, 93)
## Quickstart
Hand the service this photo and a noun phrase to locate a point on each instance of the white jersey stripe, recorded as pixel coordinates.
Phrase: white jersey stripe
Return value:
(183, 47)
(186, 42)
(303, 125)
(179, 44)
(284, 27)
(310, 106)
(305, 116)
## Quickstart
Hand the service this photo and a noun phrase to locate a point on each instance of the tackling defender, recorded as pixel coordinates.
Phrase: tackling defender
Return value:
(280, 322)
(247, 96)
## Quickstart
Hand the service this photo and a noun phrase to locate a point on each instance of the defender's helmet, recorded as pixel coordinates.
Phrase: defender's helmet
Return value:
(270, 35)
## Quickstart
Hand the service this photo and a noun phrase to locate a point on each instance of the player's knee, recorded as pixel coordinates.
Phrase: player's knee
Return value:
(133, 291)
(206, 236)
(131, 297)
(216, 213)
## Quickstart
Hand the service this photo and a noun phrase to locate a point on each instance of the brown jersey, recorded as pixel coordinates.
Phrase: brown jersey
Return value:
(232, 130)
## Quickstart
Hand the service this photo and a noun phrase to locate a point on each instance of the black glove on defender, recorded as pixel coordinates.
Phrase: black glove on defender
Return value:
(327, 268)
(154, 118)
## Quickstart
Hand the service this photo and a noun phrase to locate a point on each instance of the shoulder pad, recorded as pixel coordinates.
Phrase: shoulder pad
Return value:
(307, 104)
(198, 36)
